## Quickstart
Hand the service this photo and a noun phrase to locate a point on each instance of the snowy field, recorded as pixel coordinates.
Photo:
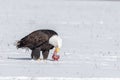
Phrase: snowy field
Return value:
(91, 39)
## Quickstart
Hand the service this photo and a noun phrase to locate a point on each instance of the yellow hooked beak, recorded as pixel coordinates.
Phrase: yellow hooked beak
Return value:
(57, 50)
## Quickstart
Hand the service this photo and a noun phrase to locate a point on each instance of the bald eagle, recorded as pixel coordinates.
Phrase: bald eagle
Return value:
(41, 40)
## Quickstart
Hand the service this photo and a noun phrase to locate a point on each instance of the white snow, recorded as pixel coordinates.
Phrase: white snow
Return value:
(90, 31)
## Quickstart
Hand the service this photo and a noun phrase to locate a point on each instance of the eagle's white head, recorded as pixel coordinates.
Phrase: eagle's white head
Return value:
(56, 41)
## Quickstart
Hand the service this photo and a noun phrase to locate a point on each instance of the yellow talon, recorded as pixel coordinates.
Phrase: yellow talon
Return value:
(38, 59)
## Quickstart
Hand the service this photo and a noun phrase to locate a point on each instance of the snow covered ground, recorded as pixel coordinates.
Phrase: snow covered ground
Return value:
(90, 31)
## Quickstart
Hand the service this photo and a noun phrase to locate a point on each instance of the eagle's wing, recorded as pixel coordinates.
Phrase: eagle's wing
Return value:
(36, 39)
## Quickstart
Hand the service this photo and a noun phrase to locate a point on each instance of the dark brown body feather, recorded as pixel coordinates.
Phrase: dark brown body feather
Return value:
(37, 41)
